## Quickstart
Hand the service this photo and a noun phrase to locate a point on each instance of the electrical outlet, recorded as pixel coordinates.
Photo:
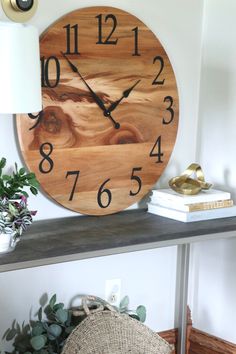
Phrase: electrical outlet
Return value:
(113, 291)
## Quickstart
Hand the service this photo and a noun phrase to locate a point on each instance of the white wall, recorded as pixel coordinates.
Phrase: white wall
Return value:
(150, 279)
(213, 278)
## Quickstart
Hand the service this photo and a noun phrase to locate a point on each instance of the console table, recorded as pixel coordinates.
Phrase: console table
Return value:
(74, 238)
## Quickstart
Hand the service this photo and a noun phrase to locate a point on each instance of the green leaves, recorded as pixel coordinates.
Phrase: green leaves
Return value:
(124, 304)
(38, 342)
(47, 335)
(62, 315)
(13, 186)
(140, 313)
(54, 331)
(52, 301)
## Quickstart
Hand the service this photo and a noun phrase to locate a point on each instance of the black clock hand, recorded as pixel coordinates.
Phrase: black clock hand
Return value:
(94, 95)
(126, 94)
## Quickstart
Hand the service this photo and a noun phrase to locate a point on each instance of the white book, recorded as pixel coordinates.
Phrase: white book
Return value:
(193, 206)
(192, 216)
(204, 196)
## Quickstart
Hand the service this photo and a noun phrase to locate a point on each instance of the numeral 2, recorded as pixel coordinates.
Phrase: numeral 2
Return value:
(161, 61)
(72, 38)
(46, 82)
(157, 154)
(100, 34)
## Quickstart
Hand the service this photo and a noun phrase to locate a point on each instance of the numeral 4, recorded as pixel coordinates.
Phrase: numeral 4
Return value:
(157, 148)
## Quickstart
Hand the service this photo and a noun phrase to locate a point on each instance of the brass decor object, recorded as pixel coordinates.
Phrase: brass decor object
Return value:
(105, 331)
(184, 184)
(19, 10)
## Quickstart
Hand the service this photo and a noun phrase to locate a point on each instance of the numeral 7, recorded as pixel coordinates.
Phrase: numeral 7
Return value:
(76, 174)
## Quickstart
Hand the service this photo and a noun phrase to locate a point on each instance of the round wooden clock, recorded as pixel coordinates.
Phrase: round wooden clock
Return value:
(110, 111)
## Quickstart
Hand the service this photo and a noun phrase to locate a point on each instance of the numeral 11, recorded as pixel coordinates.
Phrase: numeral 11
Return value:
(72, 33)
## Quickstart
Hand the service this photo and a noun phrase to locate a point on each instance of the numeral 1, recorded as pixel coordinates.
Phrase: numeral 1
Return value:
(157, 154)
(136, 52)
(72, 38)
(46, 82)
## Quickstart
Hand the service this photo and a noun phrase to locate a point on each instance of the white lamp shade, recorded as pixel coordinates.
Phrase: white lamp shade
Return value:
(20, 86)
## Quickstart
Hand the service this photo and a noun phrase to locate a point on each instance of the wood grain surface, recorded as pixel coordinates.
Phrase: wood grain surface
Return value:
(74, 135)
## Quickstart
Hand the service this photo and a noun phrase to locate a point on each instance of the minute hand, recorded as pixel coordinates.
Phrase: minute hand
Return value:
(126, 94)
(94, 95)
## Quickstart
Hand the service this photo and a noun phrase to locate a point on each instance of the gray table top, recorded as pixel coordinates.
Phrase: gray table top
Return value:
(68, 239)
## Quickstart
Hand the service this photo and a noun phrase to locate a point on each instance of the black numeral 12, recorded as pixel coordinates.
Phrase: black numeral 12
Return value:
(108, 40)
(72, 35)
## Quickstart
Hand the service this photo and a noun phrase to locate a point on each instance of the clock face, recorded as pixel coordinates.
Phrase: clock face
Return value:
(110, 111)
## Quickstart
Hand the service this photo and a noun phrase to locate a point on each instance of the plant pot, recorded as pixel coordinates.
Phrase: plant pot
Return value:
(7, 242)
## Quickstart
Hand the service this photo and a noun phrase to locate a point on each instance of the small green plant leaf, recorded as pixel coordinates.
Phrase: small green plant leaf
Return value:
(11, 334)
(58, 306)
(38, 342)
(55, 330)
(124, 304)
(52, 301)
(3, 162)
(38, 329)
(22, 171)
(142, 313)
(62, 315)
(34, 190)
(40, 314)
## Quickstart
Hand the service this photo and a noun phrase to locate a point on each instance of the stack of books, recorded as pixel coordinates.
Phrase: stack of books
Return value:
(206, 205)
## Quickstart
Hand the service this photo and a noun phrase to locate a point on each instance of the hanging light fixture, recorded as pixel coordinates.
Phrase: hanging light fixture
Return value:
(20, 86)
(19, 10)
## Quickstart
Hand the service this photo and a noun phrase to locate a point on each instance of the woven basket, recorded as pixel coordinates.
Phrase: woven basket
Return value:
(109, 332)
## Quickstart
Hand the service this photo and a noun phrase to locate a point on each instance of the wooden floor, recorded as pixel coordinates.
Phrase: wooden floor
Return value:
(199, 342)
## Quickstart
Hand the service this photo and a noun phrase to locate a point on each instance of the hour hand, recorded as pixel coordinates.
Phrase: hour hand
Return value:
(126, 94)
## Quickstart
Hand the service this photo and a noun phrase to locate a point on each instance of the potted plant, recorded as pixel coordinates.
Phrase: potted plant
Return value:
(15, 216)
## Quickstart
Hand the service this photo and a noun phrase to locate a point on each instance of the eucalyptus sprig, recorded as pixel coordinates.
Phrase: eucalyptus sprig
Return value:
(48, 333)
(12, 186)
